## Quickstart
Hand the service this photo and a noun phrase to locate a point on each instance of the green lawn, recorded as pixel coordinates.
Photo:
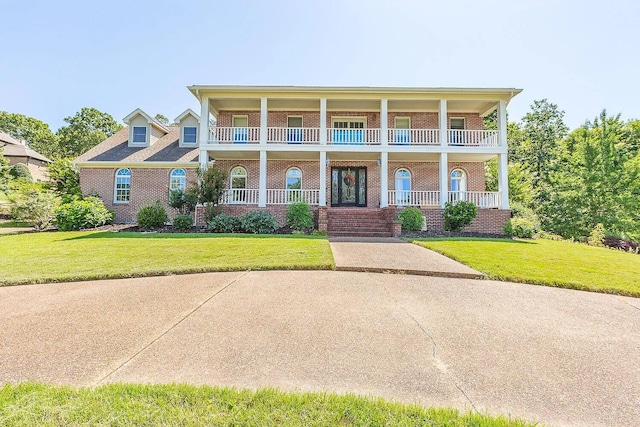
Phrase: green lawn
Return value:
(13, 224)
(175, 404)
(64, 256)
(546, 262)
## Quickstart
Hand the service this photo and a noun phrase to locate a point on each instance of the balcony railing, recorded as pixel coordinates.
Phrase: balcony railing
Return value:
(414, 198)
(283, 196)
(370, 136)
(482, 199)
(240, 196)
(414, 137)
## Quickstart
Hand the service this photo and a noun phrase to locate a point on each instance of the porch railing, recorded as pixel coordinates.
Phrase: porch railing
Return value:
(353, 136)
(240, 196)
(293, 135)
(476, 138)
(482, 199)
(414, 137)
(283, 196)
(234, 135)
(414, 198)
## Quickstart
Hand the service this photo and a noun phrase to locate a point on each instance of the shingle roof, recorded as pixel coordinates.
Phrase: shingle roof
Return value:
(116, 149)
(15, 148)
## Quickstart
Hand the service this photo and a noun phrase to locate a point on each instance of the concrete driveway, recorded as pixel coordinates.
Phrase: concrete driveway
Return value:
(557, 356)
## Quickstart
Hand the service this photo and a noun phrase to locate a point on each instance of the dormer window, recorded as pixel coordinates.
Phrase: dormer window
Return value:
(190, 134)
(139, 134)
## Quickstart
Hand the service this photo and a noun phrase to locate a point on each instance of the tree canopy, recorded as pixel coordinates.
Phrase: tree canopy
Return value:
(86, 129)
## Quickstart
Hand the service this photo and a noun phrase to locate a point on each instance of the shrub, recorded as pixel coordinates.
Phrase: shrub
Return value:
(182, 222)
(597, 235)
(299, 216)
(89, 212)
(258, 222)
(222, 223)
(519, 227)
(64, 179)
(152, 216)
(411, 219)
(184, 201)
(30, 202)
(21, 171)
(458, 214)
(518, 210)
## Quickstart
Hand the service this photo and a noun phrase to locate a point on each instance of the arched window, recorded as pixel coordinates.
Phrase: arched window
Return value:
(294, 179)
(458, 185)
(122, 187)
(238, 185)
(403, 187)
(178, 180)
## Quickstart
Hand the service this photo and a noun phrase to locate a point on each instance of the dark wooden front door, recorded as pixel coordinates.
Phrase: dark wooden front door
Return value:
(349, 186)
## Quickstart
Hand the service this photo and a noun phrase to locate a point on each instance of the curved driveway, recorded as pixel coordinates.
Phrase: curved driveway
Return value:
(557, 356)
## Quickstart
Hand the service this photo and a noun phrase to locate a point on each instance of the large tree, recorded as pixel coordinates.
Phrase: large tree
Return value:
(86, 129)
(37, 134)
(4, 172)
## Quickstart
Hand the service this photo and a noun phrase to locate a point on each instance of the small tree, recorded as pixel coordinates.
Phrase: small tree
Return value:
(210, 189)
(30, 202)
(64, 179)
(458, 214)
(5, 177)
(183, 201)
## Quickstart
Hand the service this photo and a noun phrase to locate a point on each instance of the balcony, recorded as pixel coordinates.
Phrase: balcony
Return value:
(275, 196)
(482, 199)
(368, 136)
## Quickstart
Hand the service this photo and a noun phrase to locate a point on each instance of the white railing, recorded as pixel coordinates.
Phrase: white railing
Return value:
(414, 136)
(353, 136)
(234, 135)
(282, 196)
(477, 138)
(414, 198)
(482, 199)
(293, 135)
(240, 196)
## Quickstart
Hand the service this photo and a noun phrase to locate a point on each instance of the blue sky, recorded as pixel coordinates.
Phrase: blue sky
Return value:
(58, 57)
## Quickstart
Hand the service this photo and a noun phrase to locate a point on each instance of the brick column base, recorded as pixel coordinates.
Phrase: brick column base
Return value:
(323, 219)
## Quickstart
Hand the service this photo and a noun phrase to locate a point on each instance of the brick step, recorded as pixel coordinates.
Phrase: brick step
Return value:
(360, 234)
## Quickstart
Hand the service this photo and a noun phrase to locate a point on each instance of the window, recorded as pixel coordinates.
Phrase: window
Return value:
(456, 133)
(458, 185)
(178, 180)
(122, 187)
(240, 129)
(238, 185)
(294, 185)
(403, 187)
(294, 131)
(348, 131)
(140, 134)
(401, 134)
(190, 135)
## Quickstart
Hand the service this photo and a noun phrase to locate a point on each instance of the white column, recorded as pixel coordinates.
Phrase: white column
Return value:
(502, 123)
(323, 121)
(203, 159)
(442, 120)
(262, 184)
(444, 179)
(384, 134)
(263, 120)
(503, 181)
(384, 179)
(204, 121)
(323, 179)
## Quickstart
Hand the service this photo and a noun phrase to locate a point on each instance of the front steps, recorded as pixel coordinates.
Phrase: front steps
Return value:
(360, 222)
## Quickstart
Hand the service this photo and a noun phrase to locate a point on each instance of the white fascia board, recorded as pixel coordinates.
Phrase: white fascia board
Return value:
(150, 165)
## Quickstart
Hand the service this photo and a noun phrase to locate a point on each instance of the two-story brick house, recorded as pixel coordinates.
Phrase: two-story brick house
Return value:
(353, 153)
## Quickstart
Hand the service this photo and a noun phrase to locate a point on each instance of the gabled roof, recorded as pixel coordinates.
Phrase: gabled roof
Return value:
(186, 113)
(11, 147)
(5, 138)
(153, 121)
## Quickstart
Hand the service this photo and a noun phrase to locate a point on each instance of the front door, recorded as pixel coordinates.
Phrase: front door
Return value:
(349, 186)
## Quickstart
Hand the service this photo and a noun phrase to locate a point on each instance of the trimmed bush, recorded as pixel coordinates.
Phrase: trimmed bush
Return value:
(519, 227)
(299, 216)
(152, 216)
(222, 223)
(411, 219)
(89, 212)
(182, 222)
(258, 222)
(458, 214)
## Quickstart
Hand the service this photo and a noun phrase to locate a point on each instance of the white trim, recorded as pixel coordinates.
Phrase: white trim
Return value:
(115, 189)
(464, 122)
(463, 179)
(234, 116)
(286, 176)
(295, 117)
(186, 113)
(245, 176)
(137, 165)
(183, 142)
(148, 118)
(355, 119)
(171, 177)
(395, 121)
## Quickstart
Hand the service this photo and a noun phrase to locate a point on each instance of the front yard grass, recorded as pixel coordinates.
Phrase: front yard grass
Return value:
(186, 405)
(545, 262)
(68, 256)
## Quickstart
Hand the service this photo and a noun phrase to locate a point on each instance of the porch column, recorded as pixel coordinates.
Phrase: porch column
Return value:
(323, 121)
(263, 120)
(262, 184)
(204, 121)
(503, 180)
(203, 159)
(384, 178)
(442, 120)
(444, 179)
(384, 134)
(502, 124)
(322, 197)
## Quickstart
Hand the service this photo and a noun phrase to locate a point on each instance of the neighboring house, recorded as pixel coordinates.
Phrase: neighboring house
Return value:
(355, 154)
(18, 152)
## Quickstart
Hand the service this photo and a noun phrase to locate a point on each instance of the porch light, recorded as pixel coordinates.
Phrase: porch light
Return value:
(328, 162)
(378, 162)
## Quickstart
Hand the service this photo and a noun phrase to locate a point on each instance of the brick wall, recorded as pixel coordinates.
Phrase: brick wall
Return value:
(487, 221)
(147, 186)
(424, 175)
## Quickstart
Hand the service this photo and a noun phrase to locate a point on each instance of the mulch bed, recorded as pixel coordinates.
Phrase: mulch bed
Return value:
(622, 244)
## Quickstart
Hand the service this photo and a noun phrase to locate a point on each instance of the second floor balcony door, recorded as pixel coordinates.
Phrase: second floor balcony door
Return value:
(348, 131)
